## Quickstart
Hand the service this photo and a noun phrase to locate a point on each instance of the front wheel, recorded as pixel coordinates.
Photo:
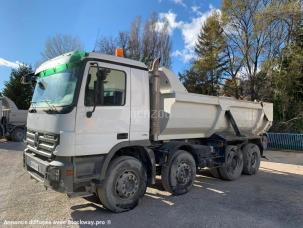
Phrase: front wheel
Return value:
(124, 184)
(179, 174)
(18, 134)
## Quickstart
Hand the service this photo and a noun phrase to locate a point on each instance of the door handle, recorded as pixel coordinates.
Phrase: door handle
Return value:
(122, 136)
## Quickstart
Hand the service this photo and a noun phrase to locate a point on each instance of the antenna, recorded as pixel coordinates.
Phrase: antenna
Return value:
(94, 50)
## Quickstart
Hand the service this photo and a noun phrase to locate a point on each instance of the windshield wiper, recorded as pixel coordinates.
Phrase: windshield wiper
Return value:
(52, 109)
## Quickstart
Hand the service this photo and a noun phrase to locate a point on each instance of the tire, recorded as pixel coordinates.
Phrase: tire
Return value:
(215, 172)
(233, 166)
(18, 134)
(251, 159)
(179, 174)
(124, 185)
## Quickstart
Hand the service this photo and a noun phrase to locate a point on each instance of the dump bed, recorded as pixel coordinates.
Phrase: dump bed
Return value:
(187, 115)
(13, 115)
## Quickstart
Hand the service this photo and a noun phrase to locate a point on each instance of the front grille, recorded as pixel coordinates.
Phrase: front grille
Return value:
(43, 144)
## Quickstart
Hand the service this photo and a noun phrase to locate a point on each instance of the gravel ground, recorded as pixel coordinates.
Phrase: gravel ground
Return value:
(272, 198)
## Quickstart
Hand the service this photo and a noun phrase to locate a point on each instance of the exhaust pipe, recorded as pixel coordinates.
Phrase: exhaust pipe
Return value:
(155, 100)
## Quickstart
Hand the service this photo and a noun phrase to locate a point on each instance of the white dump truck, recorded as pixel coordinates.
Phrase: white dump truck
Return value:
(107, 125)
(13, 120)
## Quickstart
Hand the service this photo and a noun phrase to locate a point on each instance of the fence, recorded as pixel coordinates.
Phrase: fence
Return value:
(285, 141)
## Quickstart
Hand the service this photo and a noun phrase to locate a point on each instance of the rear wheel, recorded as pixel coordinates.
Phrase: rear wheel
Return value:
(215, 172)
(233, 165)
(179, 174)
(124, 185)
(251, 159)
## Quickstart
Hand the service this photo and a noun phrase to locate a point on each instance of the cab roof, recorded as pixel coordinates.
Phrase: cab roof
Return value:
(75, 56)
(117, 60)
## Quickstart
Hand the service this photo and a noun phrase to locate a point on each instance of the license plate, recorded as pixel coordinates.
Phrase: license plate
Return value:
(34, 165)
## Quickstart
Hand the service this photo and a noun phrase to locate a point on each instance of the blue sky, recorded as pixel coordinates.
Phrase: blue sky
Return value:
(26, 24)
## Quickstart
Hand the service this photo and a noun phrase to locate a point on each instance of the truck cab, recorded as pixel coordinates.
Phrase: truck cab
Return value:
(84, 106)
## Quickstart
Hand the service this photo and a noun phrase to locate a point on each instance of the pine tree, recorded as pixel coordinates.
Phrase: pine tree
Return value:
(17, 92)
(207, 71)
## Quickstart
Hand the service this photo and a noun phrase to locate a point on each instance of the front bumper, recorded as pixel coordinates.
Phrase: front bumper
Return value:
(57, 174)
(71, 175)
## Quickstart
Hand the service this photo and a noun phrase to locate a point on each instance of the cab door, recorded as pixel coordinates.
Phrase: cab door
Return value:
(109, 124)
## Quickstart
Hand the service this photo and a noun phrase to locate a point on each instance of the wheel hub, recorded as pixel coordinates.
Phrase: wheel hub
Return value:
(253, 159)
(127, 184)
(232, 162)
(183, 173)
(19, 135)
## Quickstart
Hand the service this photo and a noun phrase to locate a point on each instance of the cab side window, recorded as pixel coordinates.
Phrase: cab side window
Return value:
(111, 89)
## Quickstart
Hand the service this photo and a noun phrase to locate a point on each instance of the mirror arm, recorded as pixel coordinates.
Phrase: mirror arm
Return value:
(90, 113)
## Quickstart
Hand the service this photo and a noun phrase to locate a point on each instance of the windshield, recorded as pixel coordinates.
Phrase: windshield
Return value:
(57, 89)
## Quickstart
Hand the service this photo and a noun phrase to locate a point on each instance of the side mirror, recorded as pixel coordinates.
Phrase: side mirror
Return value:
(90, 113)
(102, 74)
(98, 88)
(27, 79)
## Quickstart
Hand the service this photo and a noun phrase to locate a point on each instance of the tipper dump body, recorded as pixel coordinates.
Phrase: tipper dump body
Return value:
(12, 114)
(189, 115)
(13, 120)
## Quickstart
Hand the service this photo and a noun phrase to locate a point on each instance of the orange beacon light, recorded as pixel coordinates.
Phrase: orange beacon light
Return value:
(119, 52)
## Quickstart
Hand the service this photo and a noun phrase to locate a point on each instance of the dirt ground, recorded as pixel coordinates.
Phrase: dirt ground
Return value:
(272, 198)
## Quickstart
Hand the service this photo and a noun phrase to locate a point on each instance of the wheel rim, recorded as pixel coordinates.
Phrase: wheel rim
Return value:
(183, 173)
(232, 162)
(127, 184)
(253, 159)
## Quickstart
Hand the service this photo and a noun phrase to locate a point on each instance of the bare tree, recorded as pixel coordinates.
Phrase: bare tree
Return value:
(143, 46)
(156, 42)
(60, 44)
(106, 45)
(134, 40)
(123, 42)
(150, 40)
(255, 34)
(165, 46)
(232, 68)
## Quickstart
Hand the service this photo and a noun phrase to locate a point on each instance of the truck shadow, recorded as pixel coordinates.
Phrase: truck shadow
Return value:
(15, 146)
(208, 191)
(155, 196)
